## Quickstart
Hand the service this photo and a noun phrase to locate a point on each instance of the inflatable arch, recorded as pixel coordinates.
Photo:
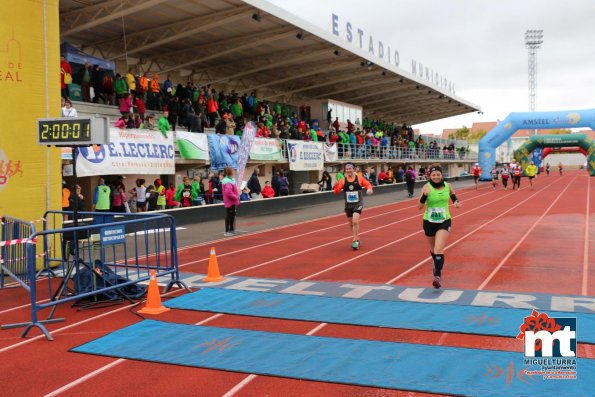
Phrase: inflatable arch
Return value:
(528, 151)
(537, 120)
(548, 150)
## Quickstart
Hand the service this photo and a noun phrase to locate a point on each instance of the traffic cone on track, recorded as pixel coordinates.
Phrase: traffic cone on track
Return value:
(213, 274)
(153, 305)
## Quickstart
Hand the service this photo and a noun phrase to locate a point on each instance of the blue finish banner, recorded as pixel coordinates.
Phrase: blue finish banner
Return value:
(223, 150)
(404, 366)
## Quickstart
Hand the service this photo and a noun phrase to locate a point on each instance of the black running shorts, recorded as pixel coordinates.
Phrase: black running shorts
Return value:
(350, 209)
(431, 228)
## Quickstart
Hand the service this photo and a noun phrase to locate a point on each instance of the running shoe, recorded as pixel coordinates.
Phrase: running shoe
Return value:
(228, 234)
(355, 245)
(436, 283)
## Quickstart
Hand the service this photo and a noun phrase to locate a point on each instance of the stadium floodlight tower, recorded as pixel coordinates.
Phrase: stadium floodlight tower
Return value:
(533, 41)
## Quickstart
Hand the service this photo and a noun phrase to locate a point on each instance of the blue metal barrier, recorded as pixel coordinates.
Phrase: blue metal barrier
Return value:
(101, 248)
(13, 251)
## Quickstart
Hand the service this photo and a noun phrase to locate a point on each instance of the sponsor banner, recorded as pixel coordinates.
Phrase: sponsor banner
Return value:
(223, 151)
(192, 146)
(330, 152)
(266, 149)
(305, 155)
(30, 87)
(141, 152)
(245, 147)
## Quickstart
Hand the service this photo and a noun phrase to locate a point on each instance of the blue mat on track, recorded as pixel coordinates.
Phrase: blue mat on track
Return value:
(404, 366)
(490, 321)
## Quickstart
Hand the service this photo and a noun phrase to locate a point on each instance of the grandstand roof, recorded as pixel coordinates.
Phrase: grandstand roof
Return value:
(253, 45)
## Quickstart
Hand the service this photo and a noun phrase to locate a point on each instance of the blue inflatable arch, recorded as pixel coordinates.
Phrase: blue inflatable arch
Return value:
(530, 120)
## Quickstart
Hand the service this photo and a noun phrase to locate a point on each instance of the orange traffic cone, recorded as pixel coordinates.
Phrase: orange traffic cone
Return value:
(153, 305)
(213, 274)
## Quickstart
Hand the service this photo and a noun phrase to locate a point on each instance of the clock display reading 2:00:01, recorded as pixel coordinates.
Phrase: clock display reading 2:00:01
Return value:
(60, 131)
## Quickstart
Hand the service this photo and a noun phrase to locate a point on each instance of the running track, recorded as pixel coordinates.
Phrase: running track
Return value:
(539, 241)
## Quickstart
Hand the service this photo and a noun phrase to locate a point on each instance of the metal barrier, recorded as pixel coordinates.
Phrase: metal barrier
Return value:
(101, 257)
(13, 251)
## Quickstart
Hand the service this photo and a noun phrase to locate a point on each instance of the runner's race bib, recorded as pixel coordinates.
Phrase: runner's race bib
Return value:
(352, 197)
(437, 215)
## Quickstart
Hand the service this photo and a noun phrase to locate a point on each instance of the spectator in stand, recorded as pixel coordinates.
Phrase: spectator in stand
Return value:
(173, 109)
(267, 191)
(230, 125)
(118, 198)
(140, 192)
(143, 87)
(400, 177)
(410, 180)
(212, 108)
(168, 88)
(149, 123)
(170, 201)
(155, 93)
(68, 110)
(152, 197)
(97, 84)
(65, 76)
(197, 186)
(236, 109)
(262, 131)
(245, 196)
(139, 103)
(336, 124)
(160, 189)
(186, 193)
(126, 105)
(131, 82)
(108, 89)
(121, 87)
(86, 82)
(164, 123)
(326, 182)
(329, 118)
(130, 120)
(254, 184)
(350, 126)
(65, 199)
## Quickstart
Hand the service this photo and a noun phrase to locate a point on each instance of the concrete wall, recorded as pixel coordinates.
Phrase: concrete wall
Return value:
(186, 216)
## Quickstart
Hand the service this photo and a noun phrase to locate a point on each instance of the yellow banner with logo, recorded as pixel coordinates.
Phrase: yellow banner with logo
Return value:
(30, 174)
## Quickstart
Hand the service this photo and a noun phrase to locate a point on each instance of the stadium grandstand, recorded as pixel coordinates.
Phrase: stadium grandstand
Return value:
(282, 70)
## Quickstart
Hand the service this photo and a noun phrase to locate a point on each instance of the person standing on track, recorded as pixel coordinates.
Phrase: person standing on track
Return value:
(547, 169)
(437, 222)
(476, 171)
(517, 172)
(410, 180)
(352, 186)
(560, 168)
(231, 199)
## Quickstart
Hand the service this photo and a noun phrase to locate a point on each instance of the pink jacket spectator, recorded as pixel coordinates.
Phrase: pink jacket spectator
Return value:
(230, 192)
(125, 105)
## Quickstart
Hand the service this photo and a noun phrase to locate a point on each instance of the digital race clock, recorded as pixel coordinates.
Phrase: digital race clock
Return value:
(72, 131)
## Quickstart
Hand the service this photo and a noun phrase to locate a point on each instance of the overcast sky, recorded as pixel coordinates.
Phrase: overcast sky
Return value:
(479, 45)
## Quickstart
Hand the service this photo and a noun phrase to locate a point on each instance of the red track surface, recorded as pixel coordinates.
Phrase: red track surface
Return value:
(536, 241)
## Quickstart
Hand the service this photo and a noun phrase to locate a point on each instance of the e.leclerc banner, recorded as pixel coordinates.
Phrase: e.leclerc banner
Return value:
(248, 137)
(141, 152)
(305, 156)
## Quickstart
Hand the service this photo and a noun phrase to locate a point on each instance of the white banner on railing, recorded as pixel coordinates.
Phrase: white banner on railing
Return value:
(130, 152)
(192, 145)
(305, 155)
(330, 152)
(266, 149)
